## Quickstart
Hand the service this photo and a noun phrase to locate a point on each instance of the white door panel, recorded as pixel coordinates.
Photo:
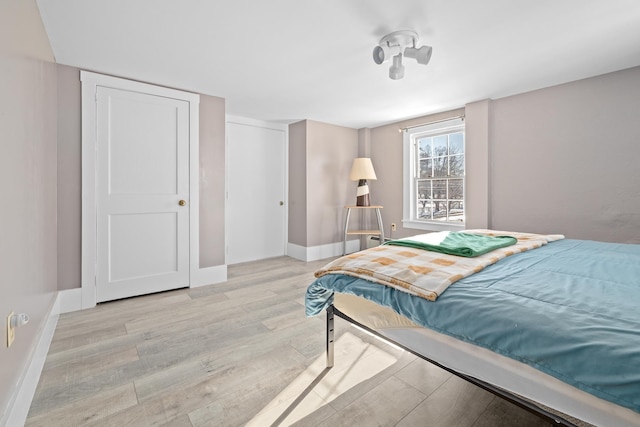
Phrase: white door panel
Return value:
(142, 174)
(256, 193)
(143, 152)
(129, 236)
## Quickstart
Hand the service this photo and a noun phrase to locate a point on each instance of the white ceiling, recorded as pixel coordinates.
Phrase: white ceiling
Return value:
(287, 60)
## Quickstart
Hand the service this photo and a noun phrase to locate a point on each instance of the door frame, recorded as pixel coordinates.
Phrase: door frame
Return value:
(260, 124)
(90, 83)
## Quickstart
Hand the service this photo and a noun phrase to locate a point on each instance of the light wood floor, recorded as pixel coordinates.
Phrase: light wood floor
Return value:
(243, 353)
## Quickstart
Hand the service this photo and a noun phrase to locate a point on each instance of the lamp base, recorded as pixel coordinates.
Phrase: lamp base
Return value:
(362, 194)
(363, 200)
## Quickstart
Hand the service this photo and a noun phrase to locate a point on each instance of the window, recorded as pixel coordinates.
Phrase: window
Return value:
(434, 173)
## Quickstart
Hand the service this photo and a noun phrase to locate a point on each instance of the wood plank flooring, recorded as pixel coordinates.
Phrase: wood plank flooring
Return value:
(240, 353)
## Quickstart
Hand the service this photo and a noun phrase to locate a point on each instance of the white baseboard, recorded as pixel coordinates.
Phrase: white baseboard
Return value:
(70, 300)
(209, 276)
(314, 253)
(296, 251)
(18, 408)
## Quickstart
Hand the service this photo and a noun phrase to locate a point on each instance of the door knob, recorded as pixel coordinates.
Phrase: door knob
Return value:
(281, 203)
(182, 203)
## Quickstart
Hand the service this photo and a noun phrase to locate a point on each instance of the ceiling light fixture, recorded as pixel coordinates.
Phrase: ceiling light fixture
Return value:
(399, 44)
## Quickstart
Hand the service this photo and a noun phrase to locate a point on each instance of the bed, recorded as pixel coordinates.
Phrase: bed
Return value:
(554, 328)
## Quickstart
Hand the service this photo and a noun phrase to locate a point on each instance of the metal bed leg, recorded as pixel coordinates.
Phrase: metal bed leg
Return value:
(330, 336)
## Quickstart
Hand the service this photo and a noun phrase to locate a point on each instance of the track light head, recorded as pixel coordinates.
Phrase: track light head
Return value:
(396, 71)
(383, 53)
(422, 54)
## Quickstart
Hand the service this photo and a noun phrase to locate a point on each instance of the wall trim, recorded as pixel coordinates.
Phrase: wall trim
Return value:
(313, 253)
(208, 276)
(257, 123)
(20, 402)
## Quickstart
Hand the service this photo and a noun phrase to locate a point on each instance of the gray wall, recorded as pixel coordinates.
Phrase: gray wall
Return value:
(297, 227)
(28, 183)
(320, 157)
(212, 181)
(563, 159)
(330, 153)
(212, 175)
(69, 177)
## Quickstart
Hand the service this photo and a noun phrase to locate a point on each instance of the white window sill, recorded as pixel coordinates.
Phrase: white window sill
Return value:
(431, 226)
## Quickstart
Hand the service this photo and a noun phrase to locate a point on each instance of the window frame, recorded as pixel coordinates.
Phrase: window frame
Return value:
(410, 166)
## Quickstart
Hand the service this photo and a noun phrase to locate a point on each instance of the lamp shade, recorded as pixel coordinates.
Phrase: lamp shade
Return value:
(362, 169)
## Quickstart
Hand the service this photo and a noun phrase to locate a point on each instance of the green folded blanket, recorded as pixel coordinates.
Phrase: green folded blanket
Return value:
(456, 243)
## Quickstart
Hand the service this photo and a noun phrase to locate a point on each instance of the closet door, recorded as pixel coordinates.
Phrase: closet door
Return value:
(256, 192)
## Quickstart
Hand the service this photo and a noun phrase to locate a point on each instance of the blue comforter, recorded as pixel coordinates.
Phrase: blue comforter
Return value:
(570, 309)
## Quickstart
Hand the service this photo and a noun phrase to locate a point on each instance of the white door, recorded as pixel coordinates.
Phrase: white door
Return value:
(142, 193)
(256, 192)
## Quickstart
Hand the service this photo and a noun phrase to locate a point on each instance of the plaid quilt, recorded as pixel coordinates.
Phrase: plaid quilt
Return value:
(423, 273)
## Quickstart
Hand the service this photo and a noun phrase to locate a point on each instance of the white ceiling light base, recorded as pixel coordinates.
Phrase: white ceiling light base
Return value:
(397, 44)
(400, 38)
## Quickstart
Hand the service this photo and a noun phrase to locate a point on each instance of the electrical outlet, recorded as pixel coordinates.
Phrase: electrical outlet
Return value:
(393, 226)
(11, 331)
